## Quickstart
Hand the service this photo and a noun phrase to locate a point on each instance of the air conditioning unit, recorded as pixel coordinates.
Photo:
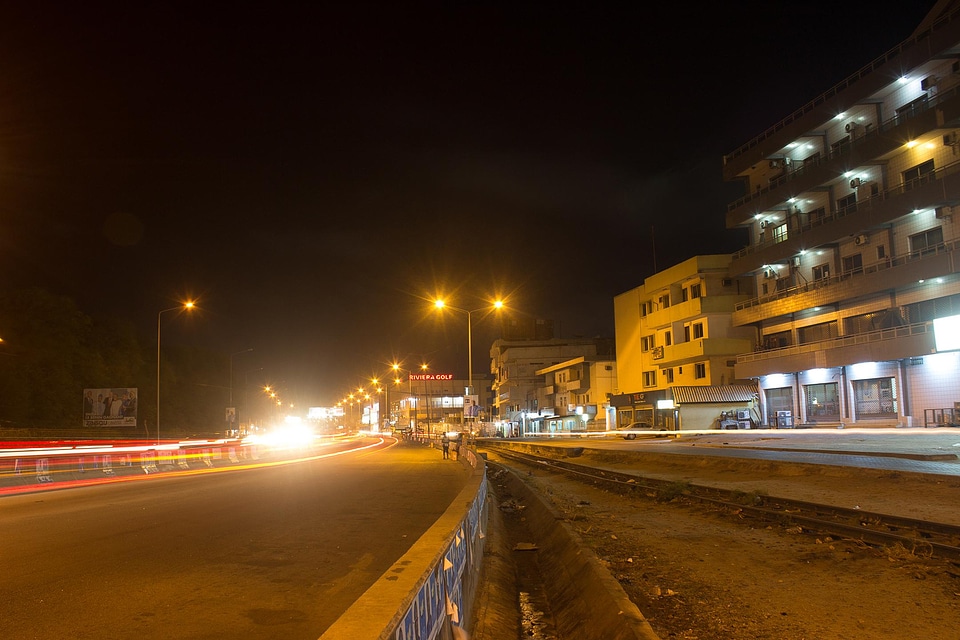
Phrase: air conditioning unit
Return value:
(796, 261)
(855, 183)
(928, 83)
(774, 164)
(850, 127)
(944, 213)
(950, 139)
(763, 224)
(861, 239)
(769, 273)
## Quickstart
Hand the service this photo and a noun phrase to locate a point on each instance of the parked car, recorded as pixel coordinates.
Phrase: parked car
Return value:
(630, 431)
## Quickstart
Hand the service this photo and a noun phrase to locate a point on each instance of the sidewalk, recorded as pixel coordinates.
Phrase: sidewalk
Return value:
(916, 450)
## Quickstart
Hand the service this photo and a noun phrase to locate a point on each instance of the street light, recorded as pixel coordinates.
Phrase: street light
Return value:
(230, 406)
(439, 303)
(184, 307)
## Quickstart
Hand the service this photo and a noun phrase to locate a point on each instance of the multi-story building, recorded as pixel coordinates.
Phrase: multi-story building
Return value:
(574, 396)
(849, 203)
(514, 365)
(677, 347)
(425, 401)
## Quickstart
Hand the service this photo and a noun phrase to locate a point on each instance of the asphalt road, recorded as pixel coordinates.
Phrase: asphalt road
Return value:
(271, 552)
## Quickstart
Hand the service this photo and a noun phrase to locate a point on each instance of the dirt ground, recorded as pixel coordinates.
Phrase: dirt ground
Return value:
(701, 575)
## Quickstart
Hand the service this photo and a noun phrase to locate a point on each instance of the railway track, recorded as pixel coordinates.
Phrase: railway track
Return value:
(875, 529)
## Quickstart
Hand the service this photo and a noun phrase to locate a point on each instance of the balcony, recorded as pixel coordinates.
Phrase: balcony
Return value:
(925, 192)
(906, 56)
(885, 275)
(874, 346)
(935, 113)
(697, 350)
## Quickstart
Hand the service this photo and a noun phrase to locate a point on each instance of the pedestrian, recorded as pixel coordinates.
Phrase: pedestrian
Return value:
(445, 441)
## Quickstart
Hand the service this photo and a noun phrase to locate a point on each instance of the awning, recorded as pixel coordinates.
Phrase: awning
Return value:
(714, 393)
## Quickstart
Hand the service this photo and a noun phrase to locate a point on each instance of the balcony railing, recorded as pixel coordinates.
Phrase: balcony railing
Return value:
(851, 80)
(880, 335)
(861, 205)
(911, 257)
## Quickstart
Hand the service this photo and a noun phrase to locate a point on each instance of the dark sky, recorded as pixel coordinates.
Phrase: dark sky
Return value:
(313, 173)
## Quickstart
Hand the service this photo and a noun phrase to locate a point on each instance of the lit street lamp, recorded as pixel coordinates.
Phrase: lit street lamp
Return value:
(440, 304)
(185, 306)
(233, 416)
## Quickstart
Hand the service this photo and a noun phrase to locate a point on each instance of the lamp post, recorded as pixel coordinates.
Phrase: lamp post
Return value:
(231, 371)
(439, 303)
(185, 306)
(230, 406)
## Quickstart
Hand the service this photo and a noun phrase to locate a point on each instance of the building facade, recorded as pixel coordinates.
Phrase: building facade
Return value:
(849, 203)
(429, 403)
(514, 365)
(675, 339)
(574, 396)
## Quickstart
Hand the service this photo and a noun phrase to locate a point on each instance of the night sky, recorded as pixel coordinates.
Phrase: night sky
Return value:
(313, 174)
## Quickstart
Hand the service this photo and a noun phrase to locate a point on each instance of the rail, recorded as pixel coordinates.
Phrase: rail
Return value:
(880, 335)
(910, 257)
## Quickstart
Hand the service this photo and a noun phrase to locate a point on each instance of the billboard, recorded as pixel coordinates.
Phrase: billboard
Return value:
(112, 407)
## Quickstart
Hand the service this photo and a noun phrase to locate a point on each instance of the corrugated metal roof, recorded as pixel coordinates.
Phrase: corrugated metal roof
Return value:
(714, 393)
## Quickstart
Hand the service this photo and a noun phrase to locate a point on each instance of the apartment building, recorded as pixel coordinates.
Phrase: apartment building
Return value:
(850, 205)
(574, 396)
(516, 383)
(677, 347)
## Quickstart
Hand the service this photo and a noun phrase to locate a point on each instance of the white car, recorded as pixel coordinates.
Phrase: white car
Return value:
(630, 431)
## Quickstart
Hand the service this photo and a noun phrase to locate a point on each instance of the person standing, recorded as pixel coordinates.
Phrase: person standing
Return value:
(445, 442)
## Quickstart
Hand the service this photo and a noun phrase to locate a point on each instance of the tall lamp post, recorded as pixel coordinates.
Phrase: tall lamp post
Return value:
(184, 307)
(231, 381)
(439, 303)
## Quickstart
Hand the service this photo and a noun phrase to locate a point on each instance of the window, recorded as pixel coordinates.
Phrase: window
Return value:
(700, 370)
(839, 143)
(817, 332)
(684, 295)
(665, 301)
(821, 272)
(817, 216)
(930, 309)
(780, 233)
(667, 339)
(881, 252)
(777, 340)
(780, 399)
(915, 176)
(852, 264)
(643, 309)
(695, 290)
(668, 376)
(697, 330)
(647, 343)
(876, 398)
(847, 203)
(649, 378)
(686, 333)
(926, 242)
(822, 402)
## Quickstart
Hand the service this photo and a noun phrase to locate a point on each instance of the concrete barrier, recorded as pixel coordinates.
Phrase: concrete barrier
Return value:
(428, 594)
(25, 470)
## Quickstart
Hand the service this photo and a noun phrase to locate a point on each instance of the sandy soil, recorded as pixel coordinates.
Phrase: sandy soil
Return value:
(699, 574)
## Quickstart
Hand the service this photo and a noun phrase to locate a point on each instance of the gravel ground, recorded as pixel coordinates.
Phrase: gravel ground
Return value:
(713, 574)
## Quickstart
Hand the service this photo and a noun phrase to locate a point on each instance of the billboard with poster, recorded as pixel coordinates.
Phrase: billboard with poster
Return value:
(110, 407)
